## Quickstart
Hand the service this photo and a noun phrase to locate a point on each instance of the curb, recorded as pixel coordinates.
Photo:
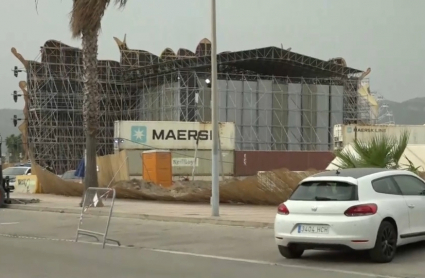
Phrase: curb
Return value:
(193, 220)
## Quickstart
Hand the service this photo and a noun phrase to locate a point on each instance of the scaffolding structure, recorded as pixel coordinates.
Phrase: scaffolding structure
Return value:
(55, 116)
(278, 99)
(269, 112)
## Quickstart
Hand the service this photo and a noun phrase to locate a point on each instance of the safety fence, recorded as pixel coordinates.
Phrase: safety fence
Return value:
(96, 200)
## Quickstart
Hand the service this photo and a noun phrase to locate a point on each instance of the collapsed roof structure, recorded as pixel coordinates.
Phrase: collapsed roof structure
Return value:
(144, 86)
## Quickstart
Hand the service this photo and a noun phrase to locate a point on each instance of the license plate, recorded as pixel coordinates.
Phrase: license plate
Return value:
(313, 229)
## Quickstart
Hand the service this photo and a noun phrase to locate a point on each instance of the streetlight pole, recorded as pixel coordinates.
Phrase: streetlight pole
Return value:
(215, 198)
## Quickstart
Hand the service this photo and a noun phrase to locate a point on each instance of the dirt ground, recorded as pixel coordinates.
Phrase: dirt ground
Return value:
(177, 188)
(269, 188)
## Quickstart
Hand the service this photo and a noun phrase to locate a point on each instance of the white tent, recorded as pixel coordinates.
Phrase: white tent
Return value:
(415, 153)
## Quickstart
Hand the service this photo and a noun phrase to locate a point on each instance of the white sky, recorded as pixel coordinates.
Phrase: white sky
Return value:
(386, 35)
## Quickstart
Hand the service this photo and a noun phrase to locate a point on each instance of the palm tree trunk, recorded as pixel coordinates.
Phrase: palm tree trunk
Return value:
(90, 105)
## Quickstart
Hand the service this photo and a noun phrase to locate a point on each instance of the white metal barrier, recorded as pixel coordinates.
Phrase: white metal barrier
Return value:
(92, 198)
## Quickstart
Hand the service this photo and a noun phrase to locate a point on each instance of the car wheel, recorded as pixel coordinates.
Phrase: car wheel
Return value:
(291, 252)
(385, 245)
(2, 196)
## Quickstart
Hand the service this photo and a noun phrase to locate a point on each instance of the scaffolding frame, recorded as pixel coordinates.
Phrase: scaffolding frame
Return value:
(55, 116)
(144, 86)
(171, 97)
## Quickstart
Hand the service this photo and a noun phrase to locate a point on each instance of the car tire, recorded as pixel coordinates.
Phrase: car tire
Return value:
(2, 197)
(385, 245)
(291, 252)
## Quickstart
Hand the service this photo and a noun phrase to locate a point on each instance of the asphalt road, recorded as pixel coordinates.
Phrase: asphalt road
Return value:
(184, 250)
(25, 258)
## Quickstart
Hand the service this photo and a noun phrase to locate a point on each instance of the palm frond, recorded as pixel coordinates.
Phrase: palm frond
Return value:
(346, 159)
(400, 146)
(411, 167)
(375, 152)
(121, 3)
(87, 15)
(381, 151)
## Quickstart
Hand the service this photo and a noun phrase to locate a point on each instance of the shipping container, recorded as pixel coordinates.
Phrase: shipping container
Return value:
(248, 163)
(346, 134)
(183, 161)
(143, 135)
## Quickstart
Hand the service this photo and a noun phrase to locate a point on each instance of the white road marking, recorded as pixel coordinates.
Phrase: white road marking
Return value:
(302, 267)
(364, 274)
(9, 223)
(272, 263)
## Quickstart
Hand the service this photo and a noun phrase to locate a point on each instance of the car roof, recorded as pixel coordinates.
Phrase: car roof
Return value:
(354, 173)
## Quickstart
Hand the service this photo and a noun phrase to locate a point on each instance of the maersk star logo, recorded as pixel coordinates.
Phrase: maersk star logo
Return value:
(139, 134)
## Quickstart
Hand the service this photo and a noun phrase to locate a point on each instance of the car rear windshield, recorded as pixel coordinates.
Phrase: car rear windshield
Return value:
(325, 191)
(69, 175)
(14, 171)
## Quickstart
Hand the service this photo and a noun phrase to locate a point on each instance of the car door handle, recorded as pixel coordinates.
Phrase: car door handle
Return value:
(411, 206)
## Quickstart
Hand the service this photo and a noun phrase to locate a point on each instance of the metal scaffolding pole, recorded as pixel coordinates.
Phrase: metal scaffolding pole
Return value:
(215, 198)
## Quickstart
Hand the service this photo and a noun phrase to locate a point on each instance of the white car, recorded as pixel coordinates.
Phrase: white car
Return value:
(356, 209)
(12, 172)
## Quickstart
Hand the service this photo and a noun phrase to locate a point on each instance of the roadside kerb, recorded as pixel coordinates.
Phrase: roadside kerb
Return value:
(194, 220)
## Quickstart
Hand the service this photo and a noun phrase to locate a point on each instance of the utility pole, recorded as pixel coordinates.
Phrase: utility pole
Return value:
(1, 163)
(215, 198)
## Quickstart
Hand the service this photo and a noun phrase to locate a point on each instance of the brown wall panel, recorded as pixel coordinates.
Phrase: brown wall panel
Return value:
(248, 163)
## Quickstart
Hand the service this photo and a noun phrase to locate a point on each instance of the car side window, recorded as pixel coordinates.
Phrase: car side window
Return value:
(410, 186)
(385, 186)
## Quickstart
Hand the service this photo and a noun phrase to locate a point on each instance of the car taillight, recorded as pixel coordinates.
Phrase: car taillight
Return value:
(362, 210)
(282, 209)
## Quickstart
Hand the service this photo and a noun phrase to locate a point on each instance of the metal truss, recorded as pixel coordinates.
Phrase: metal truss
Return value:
(264, 61)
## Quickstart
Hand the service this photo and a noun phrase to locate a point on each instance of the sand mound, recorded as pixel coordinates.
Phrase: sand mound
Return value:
(268, 188)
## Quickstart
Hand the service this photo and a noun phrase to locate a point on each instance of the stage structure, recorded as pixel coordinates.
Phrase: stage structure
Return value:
(279, 100)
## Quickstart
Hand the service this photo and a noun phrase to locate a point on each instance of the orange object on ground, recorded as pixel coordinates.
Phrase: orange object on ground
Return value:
(157, 167)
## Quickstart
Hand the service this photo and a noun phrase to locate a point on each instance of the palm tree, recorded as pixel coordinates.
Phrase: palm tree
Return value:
(14, 146)
(85, 23)
(381, 151)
